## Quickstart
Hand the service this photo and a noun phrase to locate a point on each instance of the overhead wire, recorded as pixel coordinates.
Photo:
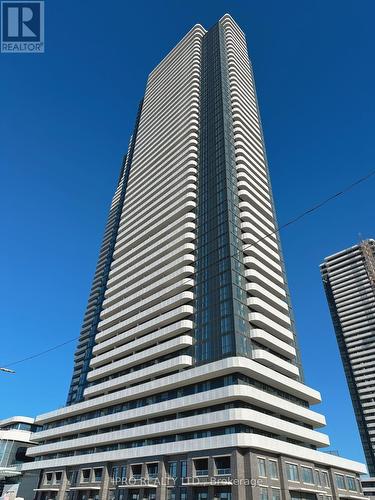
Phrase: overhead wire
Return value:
(303, 214)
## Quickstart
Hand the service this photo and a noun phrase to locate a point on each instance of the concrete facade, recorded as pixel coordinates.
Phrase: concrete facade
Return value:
(247, 475)
(188, 357)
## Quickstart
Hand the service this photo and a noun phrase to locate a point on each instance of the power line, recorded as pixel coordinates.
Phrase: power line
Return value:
(313, 209)
(32, 356)
(249, 245)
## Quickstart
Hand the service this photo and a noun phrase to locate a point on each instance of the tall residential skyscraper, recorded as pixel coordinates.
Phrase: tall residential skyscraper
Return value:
(349, 282)
(187, 381)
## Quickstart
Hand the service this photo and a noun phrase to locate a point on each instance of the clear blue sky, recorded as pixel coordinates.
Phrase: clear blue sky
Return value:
(65, 121)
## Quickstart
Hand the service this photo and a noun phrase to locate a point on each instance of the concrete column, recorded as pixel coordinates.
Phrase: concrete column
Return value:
(125, 491)
(161, 491)
(190, 473)
(63, 486)
(247, 473)
(104, 493)
(211, 473)
(335, 491)
(239, 473)
(283, 479)
(254, 476)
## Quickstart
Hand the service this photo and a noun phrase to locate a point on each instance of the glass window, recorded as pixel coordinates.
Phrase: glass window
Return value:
(340, 481)
(149, 495)
(58, 476)
(171, 494)
(225, 495)
(152, 470)
(183, 494)
(262, 467)
(183, 465)
(86, 475)
(48, 478)
(222, 465)
(292, 472)
(98, 474)
(72, 477)
(136, 471)
(226, 343)
(307, 475)
(325, 479)
(202, 495)
(201, 467)
(123, 473)
(318, 479)
(263, 493)
(351, 483)
(275, 494)
(115, 473)
(273, 470)
(172, 469)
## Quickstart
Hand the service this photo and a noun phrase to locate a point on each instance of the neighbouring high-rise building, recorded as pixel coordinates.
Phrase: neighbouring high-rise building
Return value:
(349, 282)
(187, 382)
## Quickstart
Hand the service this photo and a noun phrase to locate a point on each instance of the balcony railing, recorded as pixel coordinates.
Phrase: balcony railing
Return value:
(201, 472)
(224, 472)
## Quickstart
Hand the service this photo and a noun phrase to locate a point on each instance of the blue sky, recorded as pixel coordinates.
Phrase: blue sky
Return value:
(65, 120)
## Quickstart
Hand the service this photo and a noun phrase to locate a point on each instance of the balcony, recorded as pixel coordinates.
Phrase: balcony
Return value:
(223, 466)
(201, 472)
(224, 472)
